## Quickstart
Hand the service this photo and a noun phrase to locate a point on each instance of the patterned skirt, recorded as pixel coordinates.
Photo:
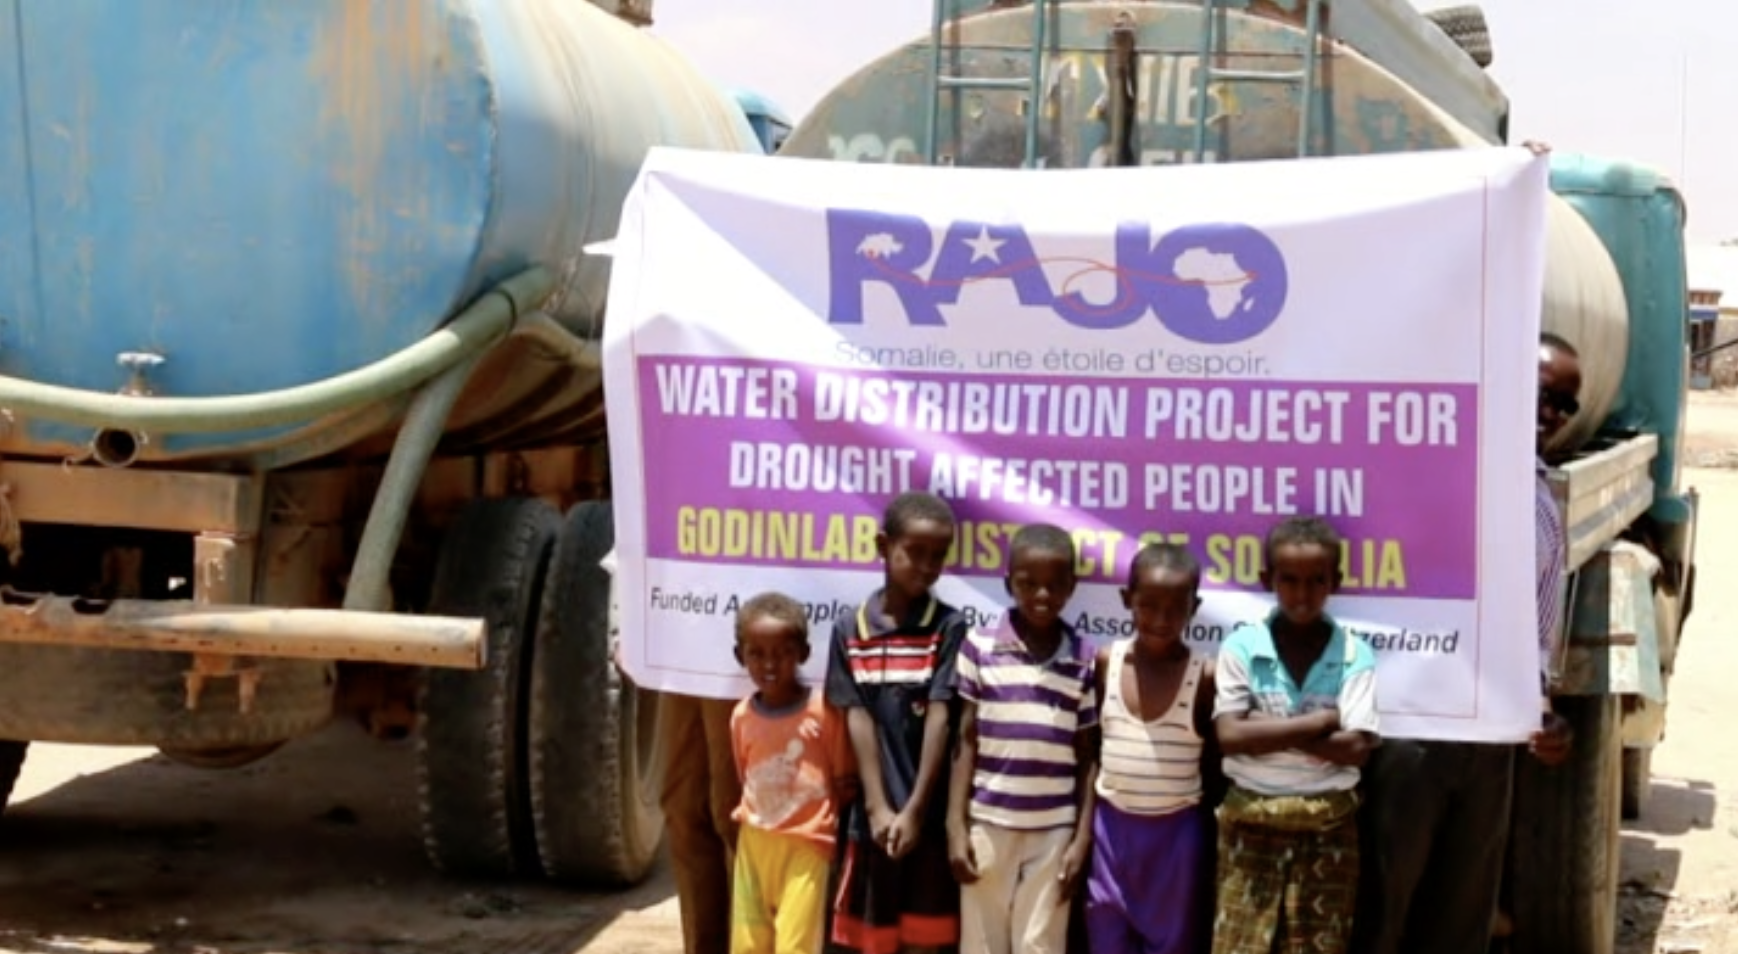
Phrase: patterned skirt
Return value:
(1288, 874)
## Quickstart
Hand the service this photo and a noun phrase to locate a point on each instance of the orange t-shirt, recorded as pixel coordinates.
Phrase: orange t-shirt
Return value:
(788, 762)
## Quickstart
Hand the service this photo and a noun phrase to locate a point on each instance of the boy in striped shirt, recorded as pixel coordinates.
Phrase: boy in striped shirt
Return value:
(1019, 809)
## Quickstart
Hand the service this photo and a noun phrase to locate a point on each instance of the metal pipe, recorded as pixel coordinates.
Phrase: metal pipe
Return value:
(478, 326)
(1040, 39)
(1122, 94)
(112, 447)
(1699, 355)
(938, 11)
(258, 631)
(1307, 96)
(1203, 75)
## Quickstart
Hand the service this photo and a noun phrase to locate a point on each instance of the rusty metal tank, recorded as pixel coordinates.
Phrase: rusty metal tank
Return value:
(1389, 81)
(265, 194)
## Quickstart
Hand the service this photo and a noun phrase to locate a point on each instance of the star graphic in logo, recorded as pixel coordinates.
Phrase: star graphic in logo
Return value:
(986, 247)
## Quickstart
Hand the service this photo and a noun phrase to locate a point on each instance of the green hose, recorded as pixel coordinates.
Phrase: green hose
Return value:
(477, 327)
(369, 586)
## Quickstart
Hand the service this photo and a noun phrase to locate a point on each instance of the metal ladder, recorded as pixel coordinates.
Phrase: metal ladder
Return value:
(1206, 74)
(944, 15)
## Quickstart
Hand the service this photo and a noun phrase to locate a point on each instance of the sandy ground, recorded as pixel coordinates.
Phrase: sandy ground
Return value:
(315, 849)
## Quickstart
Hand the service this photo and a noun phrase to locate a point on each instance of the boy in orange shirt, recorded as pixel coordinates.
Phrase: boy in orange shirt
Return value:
(794, 758)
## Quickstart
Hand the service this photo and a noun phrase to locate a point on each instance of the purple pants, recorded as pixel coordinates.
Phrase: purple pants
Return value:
(1148, 890)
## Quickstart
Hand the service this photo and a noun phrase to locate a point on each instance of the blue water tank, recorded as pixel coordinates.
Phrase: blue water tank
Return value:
(269, 193)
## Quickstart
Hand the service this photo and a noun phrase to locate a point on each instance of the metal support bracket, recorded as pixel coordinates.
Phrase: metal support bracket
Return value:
(223, 574)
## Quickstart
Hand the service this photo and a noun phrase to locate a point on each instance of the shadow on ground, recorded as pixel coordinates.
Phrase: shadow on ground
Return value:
(315, 848)
(1651, 869)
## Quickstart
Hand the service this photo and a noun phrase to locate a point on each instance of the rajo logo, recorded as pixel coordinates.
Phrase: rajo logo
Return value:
(1209, 283)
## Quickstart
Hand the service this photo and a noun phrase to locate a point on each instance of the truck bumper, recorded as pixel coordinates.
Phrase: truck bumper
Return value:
(207, 630)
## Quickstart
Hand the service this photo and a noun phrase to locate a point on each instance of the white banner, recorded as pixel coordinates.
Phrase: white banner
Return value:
(1185, 353)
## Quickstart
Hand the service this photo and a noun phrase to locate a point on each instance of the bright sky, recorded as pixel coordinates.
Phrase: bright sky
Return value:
(1600, 76)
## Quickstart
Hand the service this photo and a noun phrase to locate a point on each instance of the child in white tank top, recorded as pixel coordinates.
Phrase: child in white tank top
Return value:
(1149, 888)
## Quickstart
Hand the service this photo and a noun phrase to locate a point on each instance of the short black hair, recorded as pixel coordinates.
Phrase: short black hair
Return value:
(775, 606)
(1304, 531)
(1551, 339)
(1041, 538)
(911, 506)
(1164, 556)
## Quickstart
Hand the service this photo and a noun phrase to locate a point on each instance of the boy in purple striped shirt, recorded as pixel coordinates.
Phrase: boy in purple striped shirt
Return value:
(1020, 802)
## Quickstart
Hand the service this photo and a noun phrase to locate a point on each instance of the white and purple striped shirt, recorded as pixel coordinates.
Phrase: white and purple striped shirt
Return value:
(1029, 711)
(1552, 548)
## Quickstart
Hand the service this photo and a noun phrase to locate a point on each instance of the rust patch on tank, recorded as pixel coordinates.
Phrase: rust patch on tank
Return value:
(378, 68)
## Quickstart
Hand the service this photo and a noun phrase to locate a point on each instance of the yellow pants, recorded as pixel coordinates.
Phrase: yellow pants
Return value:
(780, 890)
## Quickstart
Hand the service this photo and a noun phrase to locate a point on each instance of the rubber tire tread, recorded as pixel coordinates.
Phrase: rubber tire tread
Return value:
(1467, 27)
(470, 740)
(1564, 845)
(596, 824)
(11, 764)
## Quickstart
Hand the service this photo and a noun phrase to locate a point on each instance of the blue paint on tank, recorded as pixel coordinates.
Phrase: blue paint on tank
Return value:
(267, 194)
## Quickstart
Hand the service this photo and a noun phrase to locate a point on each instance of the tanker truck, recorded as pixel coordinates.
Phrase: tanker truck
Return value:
(1081, 83)
(300, 405)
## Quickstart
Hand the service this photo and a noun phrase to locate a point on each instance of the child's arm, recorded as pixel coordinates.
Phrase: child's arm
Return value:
(842, 760)
(1087, 741)
(867, 747)
(1213, 780)
(908, 826)
(1244, 731)
(1240, 734)
(1356, 733)
(844, 694)
(959, 797)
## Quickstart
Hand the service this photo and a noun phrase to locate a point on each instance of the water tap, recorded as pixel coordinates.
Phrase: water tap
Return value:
(138, 365)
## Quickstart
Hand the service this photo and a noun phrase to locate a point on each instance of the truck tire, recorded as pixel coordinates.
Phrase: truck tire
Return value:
(1563, 852)
(592, 732)
(476, 813)
(1637, 781)
(224, 758)
(1467, 27)
(11, 763)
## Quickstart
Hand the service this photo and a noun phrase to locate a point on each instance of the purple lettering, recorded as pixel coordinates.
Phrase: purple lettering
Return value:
(869, 247)
(1133, 285)
(975, 252)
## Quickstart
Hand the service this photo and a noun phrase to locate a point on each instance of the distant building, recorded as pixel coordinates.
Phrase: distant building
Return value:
(1713, 275)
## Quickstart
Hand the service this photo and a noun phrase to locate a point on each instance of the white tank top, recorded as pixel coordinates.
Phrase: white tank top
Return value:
(1149, 768)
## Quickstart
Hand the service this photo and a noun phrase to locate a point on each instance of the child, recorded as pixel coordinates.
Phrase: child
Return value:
(1296, 716)
(892, 672)
(1149, 887)
(1020, 806)
(792, 754)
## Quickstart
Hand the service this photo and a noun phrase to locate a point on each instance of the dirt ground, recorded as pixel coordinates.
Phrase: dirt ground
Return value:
(315, 849)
